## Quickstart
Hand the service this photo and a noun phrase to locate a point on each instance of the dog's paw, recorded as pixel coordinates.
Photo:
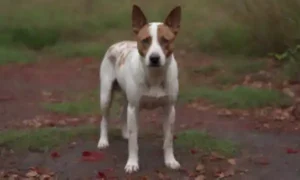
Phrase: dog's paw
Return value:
(103, 143)
(131, 166)
(172, 163)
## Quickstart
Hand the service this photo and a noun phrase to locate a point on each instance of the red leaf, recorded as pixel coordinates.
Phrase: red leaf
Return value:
(101, 175)
(262, 161)
(86, 153)
(291, 151)
(193, 151)
(55, 154)
(6, 98)
(92, 156)
(174, 137)
(87, 60)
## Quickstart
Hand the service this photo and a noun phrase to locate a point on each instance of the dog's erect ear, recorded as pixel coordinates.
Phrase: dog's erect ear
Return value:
(139, 20)
(173, 19)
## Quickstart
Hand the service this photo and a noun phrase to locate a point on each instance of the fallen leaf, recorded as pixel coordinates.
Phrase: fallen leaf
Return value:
(55, 154)
(232, 161)
(6, 98)
(13, 177)
(288, 92)
(220, 175)
(160, 175)
(200, 167)
(193, 151)
(45, 177)
(101, 175)
(143, 178)
(262, 161)
(92, 156)
(174, 137)
(87, 60)
(216, 156)
(31, 174)
(201, 177)
(229, 172)
(291, 151)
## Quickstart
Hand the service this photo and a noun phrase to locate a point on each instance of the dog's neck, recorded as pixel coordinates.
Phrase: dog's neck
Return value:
(155, 76)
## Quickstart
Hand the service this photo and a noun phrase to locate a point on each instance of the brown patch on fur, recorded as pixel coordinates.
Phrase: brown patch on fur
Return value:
(123, 58)
(143, 39)
(166, 39)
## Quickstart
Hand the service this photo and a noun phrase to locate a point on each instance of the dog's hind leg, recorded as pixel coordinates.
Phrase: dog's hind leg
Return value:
(124, 119)
(107, 79)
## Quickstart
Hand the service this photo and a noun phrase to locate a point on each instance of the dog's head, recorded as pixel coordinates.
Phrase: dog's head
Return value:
(155, 40)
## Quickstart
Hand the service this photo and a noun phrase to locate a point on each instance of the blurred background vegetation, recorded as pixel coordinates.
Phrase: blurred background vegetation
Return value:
(74, 28)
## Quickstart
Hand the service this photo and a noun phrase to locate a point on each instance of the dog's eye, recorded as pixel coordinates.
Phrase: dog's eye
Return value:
(146, 41)
(164, 40)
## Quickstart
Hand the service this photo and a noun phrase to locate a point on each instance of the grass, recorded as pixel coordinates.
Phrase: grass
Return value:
(247, 66)
(81, 107)
(81, 49)
(225, 79)
(44, 139)
(87, 104)
(201, 140)
(67, 27)
(15, 55)
(239, 97)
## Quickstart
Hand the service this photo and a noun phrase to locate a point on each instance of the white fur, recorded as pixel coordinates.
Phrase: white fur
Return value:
(142, 87)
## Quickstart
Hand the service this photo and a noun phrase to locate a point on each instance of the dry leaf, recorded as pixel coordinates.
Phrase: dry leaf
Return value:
(13, 177)
(216, 156)
(160, 175)
(232, 161)
(201, 177)
(288, 92)
(200, 167)
(229, 172)
(46, 177)
(31, 174)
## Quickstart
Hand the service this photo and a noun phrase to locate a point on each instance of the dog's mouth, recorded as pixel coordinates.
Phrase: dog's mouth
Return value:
(154, 65)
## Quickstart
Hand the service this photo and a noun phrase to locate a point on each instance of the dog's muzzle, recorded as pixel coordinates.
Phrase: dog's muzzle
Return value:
(154, 60)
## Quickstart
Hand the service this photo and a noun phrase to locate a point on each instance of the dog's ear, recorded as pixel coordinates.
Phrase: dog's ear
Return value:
(173, 19)
(139, 20)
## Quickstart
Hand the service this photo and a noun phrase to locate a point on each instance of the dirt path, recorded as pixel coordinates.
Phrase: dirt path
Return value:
(266, 155)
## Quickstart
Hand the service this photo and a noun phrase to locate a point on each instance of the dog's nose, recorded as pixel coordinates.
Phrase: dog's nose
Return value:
(154, 59)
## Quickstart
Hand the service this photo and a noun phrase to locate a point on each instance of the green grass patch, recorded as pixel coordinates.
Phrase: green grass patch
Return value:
(15, 55)
(201, 140)
(225, 79)
(87, 104)
(45, 138)
(245, 66)
(81, 107)
(81, 49)
(238, 97)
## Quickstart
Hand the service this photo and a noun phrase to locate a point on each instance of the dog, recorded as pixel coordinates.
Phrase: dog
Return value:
(146, 72)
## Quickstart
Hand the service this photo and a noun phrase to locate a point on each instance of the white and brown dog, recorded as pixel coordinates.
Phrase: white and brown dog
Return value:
(146, 72)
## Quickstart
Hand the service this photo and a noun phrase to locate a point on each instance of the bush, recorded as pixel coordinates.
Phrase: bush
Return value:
(273, 25)
(35, 38)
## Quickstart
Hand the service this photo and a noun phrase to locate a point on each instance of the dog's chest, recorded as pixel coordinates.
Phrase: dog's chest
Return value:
(153, 97)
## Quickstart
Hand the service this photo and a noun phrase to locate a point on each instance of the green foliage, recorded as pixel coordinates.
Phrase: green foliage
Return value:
(15, 55)
(43, 139)
(35, 38)
(197, 139)
(239, 97)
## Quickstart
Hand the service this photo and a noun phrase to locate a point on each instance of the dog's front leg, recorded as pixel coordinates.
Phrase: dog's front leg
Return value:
(169, 157)
(132, 162)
